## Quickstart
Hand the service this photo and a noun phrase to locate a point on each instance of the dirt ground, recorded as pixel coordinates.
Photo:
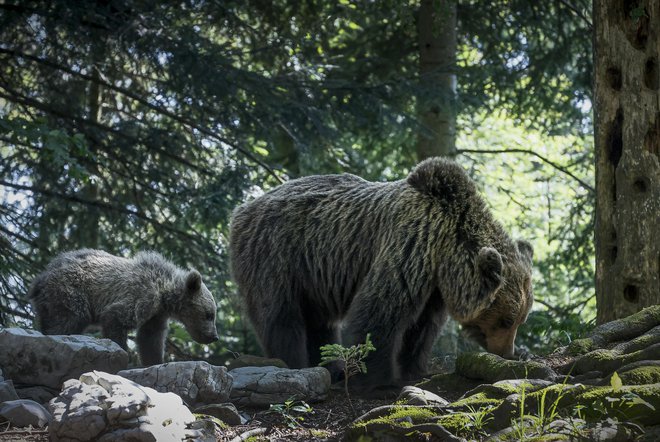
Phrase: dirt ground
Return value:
(325, 422)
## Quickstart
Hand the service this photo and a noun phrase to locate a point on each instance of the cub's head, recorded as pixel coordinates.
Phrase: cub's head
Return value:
(508, 283)
(197, 309)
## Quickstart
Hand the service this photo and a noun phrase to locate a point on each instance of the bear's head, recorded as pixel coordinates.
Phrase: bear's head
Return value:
(197, 309)
(507, 284)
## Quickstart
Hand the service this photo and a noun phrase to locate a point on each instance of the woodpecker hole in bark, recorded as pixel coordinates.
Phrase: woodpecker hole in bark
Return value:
(615, 139)
(631, 293)
(652, 137)
(635, 23)
(613, 76)
(651, 79)
(641, 185)
(613, 251)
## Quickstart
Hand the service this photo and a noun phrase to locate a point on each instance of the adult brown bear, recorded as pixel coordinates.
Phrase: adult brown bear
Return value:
(390, 259)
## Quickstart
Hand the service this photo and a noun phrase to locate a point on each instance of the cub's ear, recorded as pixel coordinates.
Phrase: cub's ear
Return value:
(193, 281)
(526, 250)
(489, 263)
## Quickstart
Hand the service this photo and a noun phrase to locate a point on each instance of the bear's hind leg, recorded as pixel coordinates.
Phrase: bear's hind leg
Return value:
(369, 315)
(61, 319)
(282, 335)
(317, 336)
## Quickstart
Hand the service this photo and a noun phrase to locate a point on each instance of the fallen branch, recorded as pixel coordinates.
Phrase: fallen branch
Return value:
(250, 433)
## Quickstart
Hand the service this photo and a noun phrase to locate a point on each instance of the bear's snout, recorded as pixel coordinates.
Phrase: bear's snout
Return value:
(208, 338)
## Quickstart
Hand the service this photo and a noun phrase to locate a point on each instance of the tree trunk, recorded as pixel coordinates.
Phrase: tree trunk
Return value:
(436, 29)
(86, 228)
(627, 136)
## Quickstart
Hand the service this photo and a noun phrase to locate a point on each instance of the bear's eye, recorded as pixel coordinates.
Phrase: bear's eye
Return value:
(505, 322)
(210, 316)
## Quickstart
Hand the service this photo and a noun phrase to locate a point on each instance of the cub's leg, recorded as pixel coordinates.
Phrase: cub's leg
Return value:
(62, 313)
(150, 340)
(116, 322)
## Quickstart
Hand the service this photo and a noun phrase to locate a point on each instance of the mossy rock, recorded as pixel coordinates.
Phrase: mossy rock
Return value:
(607, 361)
(636, 403)
(580, 347)
(626, 328)
(399, 422)
(502, 389)
(449, 386)
(477, 401)
(649, 374)
(493, 368)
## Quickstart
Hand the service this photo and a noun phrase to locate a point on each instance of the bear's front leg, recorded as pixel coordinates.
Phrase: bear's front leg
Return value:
(115, 323)
(150, 340)
(419, 338)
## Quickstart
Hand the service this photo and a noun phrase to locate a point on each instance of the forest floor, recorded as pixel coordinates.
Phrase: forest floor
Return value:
(328, 420)
(323, 421)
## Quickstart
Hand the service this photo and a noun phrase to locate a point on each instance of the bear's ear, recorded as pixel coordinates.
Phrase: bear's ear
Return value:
(526, 250)
(441, 178)
(193, 281)
(489, 263)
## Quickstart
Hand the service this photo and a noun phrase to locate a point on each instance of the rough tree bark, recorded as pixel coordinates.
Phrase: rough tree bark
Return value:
(627, 136)
(436, 30)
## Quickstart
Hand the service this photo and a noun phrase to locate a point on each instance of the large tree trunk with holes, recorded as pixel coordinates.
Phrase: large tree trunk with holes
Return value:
(627, 131)
(436, 29)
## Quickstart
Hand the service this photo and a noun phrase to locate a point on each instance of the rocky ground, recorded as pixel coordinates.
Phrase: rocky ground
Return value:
(603, 387)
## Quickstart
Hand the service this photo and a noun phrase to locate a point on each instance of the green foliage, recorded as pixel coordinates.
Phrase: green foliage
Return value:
(477, 419)
(618, 406)
(612, 407)
(350, 358)
(291, 411)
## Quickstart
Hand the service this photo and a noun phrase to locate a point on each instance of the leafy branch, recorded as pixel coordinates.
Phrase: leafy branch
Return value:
(562, 169)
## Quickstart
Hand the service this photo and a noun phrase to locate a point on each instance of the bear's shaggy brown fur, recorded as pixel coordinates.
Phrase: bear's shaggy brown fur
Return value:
(88, 286)
(390, 259)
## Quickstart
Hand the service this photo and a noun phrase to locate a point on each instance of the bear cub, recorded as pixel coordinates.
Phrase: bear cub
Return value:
(87, 286)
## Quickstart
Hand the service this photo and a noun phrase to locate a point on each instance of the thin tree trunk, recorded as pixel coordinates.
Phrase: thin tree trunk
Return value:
(86, 232)
(627, 136)
(436, 28)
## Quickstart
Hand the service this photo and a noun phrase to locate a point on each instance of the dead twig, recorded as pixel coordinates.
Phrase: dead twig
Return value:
(250, 433)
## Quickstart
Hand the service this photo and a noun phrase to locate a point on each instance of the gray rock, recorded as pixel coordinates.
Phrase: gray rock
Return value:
(197, 382)
(207, 429)
(28, 357)
(7, 391)
(38, 394)
(416, 396)
(24, 413)
(227, 413)
(106, 407)
(262, 386)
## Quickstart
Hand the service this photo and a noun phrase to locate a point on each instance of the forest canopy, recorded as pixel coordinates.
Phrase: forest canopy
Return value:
(134, 125)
